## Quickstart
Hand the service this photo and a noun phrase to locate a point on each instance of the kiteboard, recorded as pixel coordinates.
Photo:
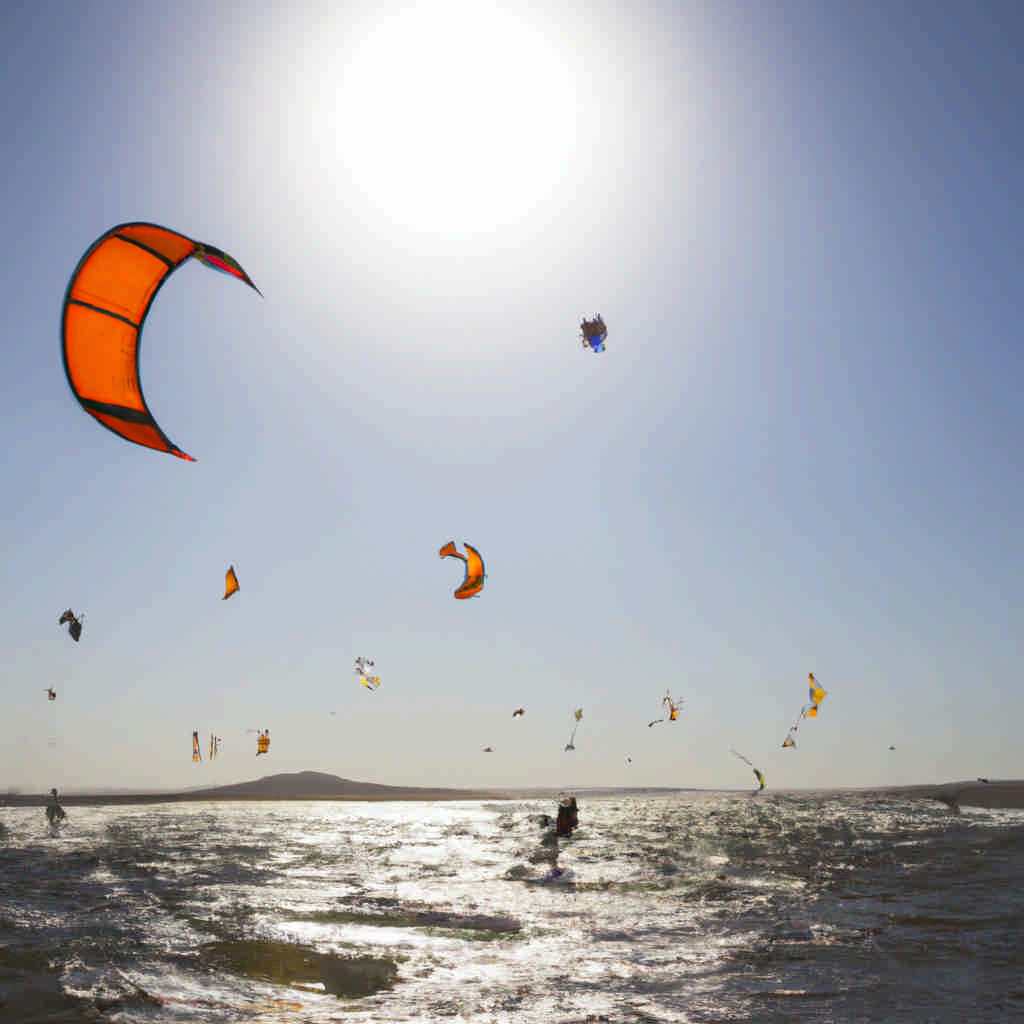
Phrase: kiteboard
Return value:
(559, 876)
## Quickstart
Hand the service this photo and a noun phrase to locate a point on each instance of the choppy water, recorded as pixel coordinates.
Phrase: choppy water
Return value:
(703, 908)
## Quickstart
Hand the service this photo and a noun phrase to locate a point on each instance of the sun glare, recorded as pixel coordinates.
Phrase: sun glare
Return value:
(457, 118)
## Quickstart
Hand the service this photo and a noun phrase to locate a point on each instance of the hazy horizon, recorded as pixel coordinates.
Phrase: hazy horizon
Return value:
(512, 791)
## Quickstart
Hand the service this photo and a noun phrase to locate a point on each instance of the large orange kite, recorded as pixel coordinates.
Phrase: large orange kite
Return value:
(106, 304)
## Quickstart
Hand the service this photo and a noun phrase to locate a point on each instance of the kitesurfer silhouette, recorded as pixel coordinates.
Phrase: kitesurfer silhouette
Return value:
(54, 811)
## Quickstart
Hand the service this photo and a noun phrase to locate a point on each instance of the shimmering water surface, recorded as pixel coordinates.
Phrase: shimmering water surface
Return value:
(697, 907)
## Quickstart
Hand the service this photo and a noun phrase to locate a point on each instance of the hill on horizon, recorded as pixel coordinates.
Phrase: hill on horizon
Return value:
(311, 785)
(306, 785)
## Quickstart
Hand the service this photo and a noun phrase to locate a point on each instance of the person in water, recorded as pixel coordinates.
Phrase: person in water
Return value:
(568, 816)
(54, 811)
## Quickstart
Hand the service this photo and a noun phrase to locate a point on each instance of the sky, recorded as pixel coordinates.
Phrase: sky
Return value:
(800, 452)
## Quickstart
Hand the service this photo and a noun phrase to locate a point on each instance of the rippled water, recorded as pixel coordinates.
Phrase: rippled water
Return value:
(701, 907)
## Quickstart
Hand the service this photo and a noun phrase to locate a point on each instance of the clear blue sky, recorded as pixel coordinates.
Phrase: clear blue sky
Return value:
(801, 451)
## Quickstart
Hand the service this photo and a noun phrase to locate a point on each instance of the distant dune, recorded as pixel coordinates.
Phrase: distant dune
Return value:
(288, 786)
(321, 786)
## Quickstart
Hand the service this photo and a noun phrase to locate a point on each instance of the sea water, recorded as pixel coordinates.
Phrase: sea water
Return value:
(695, 907)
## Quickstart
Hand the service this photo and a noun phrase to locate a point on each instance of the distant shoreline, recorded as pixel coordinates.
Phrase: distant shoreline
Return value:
(319, 786)
(995, 794)
(287, 786)
(99, 799)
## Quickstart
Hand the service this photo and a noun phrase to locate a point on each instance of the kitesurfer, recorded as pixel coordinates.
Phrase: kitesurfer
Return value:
(568, 816)
(54, 811)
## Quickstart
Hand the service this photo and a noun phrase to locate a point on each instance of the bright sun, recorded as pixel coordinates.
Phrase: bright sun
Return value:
(456, 119)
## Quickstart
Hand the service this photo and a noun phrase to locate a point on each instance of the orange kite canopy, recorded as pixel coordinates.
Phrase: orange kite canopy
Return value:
(106, 304)
(474, 581)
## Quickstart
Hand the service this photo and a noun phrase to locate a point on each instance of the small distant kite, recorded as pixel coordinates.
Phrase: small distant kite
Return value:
(51, 693)
(746, 760)
(214, 746)
(577, 716)
(362, 670)
(487, 750)
(196, 756)
(629, 760)
(810, 710)
(518, 711)
(230, 583)
(263, 742)
(673, 709)
(108, 299)
(74, 624)
(474, 581)
(815, 695)
(593, 333)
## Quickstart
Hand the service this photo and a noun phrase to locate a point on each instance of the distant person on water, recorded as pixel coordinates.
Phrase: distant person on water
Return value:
(54, 811)
(568, 816)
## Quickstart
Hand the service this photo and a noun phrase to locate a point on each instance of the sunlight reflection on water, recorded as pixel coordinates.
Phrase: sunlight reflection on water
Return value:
(695, 909)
